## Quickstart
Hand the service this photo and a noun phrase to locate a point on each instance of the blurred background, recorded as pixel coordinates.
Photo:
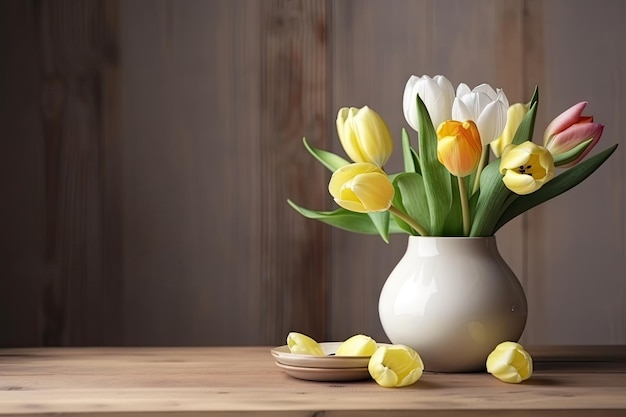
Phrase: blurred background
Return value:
(149, 148)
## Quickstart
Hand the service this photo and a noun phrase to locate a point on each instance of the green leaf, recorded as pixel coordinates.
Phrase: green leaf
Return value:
(492, 200)
(410, 197)
(454, 221)
(436, 176)
(328, 159)
(555, 187)
(380, 220)
(345, 220)
(411, 159)
(397, 203)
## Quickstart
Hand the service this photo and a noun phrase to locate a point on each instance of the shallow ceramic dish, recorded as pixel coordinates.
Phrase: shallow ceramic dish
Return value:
(325, 374)
(330, 361)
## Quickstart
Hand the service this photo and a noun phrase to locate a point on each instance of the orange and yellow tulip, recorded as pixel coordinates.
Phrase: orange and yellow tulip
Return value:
(459, 146)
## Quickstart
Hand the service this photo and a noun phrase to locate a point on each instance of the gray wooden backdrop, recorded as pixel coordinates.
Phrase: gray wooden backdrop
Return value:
(149, 148)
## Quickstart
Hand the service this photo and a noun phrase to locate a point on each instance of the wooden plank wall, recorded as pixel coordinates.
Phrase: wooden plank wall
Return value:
(150, 147)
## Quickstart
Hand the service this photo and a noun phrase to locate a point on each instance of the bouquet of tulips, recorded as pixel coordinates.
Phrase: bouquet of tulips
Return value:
(474, 169)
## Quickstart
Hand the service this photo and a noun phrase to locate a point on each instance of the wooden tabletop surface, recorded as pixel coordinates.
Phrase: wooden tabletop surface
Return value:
(228, 381)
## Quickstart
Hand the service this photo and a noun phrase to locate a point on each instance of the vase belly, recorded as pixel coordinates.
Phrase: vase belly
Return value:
(452, 300)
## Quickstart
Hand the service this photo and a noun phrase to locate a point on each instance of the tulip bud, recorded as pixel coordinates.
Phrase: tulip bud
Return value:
(395, 366)
(526, 167)
(569, 130)
(364, 135)
(303, 344)
(483, 105)
(437, 94)
(509, 362)
(357, 345)
(361, 187)
(459, 147)
(514, 116)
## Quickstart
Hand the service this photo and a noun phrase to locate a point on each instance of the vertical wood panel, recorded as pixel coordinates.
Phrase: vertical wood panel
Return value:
(22, 213)
(191, 151)
(72, 39)
(576, 257)
(71, 299)
(111, 176)
(294, 104)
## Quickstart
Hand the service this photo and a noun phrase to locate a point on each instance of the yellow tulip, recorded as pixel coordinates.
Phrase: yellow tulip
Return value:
(364, 135)
(526, 167)
(514, 116)
(361, 187)
(459, 146)
(303, 344)
(395, 366)
(509, 362)
(357, 345)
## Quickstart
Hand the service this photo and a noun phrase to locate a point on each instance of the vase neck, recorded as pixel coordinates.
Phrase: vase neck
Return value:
(435, 245)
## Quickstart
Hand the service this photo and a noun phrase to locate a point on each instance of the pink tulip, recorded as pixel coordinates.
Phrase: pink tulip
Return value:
(569, 130)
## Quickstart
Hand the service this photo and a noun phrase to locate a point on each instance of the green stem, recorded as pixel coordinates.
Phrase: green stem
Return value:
(409, 220)
(481, 166)
(464, 207)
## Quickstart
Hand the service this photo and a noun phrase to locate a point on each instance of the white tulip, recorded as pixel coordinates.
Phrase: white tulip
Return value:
(437, 94)
(484, 106)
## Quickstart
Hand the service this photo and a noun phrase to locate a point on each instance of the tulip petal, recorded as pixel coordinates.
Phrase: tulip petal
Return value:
(460, 111)
(347, 136)
(361, 187)
(437, 95)
(462, 90)
(383, 376)
(491, 121)
(357, 345)
(521, 184)
(374, 137)
(374, 190)
(564, 120)
(514, 116)
(409, 106)
(485, 89)
(304, 345)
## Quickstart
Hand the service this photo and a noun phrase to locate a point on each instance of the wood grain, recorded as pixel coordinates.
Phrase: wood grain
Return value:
(245, 381)
(294, 90)
(75, 301)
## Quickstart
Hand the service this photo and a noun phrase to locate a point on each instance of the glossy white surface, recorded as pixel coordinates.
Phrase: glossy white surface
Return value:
(452, 299)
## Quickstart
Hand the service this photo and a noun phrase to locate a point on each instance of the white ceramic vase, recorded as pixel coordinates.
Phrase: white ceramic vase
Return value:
(452, 299)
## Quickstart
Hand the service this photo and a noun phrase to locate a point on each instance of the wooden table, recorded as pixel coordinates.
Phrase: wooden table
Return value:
(222, 381)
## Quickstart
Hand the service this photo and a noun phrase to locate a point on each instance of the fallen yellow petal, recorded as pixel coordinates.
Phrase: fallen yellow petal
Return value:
(303, 344)
(357, 345)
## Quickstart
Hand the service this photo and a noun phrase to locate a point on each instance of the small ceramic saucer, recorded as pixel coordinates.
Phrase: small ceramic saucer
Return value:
(322, 368)
(284, 356)
(325, 374)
